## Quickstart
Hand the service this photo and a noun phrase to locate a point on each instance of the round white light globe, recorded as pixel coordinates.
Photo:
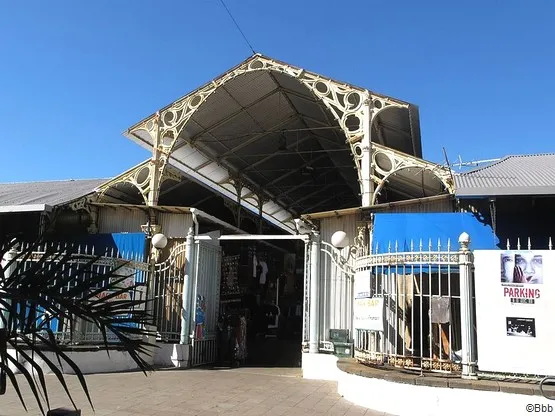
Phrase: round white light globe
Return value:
(339, 239)
(159, 241)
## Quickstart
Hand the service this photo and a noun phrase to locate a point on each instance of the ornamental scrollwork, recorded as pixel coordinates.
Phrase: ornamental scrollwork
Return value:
(345, 102)
(387, 162)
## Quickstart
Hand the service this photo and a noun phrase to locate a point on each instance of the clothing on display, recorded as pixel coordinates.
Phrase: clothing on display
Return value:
(263, 273)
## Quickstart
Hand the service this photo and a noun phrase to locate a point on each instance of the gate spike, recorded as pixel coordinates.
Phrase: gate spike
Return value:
(550, 245)
(518, 243)
(508, 244)
(529, 244)
(377, 244)
(396, 246)
(420, 245)
(449, 244)
(430, 244)
(389, 247)
(439, 244)
(92, 250)
(411, 245)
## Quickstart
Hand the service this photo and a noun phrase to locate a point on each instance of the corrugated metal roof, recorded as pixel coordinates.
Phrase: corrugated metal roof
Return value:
(48, 192)
(512, 175)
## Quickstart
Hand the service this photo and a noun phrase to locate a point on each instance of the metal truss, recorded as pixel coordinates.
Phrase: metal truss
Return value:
(353, 109)
(140, 178)
(388, 162)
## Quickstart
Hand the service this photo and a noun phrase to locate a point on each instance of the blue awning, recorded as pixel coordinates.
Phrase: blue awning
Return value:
(404, 228)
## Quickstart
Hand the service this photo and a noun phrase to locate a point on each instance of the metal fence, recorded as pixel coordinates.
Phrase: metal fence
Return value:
(336, 292)
(420, 289)
(207, 302)
(167, 290)
(127, 264)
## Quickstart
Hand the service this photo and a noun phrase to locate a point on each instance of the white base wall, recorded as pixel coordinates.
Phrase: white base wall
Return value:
(172, 355)
(411, 400)
(88, 362)
(320, 367)
(99, 361)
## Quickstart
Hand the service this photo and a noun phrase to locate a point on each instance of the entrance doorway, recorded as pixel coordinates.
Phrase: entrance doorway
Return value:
(261, 300)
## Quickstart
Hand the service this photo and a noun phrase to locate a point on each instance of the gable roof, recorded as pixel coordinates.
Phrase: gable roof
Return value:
(512, 175)
(38, 196)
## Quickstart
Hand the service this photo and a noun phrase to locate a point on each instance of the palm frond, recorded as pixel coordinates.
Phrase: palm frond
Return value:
(41, 286)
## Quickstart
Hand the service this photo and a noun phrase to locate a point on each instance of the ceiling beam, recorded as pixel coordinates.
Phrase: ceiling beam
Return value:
(300, 185)
(294, 171)
(310, 195)
(255, 138)
(324, 201)
(265, 159)
(389, 127)
(232, 115)
(177, 185)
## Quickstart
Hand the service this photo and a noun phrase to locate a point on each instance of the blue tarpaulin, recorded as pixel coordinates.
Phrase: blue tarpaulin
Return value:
(130, 246)
(406, 227)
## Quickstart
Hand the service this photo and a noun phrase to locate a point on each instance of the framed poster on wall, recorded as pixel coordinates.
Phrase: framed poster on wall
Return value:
(515, 306)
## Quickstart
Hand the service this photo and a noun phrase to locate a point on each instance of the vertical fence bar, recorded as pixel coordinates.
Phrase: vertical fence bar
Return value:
(314, 293)
(187, 288)
(467, 306)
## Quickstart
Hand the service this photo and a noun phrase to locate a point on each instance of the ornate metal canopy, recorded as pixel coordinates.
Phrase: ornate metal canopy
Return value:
(281, 141)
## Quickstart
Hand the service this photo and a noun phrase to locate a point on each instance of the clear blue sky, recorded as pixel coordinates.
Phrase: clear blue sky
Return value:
(75, 74)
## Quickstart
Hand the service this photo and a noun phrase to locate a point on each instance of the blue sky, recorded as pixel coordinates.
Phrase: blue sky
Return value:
(74, 75)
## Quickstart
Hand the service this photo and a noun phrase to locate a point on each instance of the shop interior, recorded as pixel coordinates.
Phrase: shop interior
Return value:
(261, 303)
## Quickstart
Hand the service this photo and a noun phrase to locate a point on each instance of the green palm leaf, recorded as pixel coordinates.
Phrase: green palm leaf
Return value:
(40, 287)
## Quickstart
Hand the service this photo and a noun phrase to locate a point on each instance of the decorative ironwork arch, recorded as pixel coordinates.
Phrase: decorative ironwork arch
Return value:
(346, 103)
(138, 177)
(393, 162)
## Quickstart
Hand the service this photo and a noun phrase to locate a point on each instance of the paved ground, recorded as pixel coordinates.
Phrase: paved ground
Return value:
(243, 391)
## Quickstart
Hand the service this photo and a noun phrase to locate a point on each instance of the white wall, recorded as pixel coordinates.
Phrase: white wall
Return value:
(120, 220)
(175, 225)
(88, 361)
(412, 400)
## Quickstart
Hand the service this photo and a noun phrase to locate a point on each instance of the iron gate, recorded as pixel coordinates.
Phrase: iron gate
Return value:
(167, 295)
(422, 309)
(207, 275)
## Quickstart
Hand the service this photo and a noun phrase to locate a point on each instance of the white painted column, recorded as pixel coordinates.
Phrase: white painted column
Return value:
(314, 325)
(467, 308)
(188, 288)
(366, 159)
(154, 165)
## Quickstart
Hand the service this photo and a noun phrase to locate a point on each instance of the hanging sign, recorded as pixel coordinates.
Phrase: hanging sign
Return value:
(369, 314)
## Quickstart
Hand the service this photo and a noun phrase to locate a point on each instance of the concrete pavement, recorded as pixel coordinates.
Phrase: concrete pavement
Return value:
(242, 391)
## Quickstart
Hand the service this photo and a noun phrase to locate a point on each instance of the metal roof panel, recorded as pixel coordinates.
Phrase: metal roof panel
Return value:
(47, 192)
(512, 175)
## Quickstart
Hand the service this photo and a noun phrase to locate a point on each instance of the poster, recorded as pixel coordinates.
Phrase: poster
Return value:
(515, 303)
(369, 314)
(368, 311)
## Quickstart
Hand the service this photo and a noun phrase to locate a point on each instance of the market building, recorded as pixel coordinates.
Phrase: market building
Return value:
(274, 186)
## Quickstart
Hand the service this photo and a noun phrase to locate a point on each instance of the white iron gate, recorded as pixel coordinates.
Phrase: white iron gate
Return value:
(167, 294)
(207, 275)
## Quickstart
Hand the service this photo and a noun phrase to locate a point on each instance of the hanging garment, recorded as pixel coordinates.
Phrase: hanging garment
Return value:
(264, 272)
